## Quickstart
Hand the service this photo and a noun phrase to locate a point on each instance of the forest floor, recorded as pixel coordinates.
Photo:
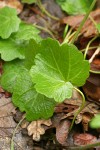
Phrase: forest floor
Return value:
(56, 130)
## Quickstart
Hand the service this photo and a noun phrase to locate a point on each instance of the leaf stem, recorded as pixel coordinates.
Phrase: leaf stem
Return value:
(83, 21)
(46, 30)
(69, 36)
(87, 47)
(81, 107)
(90, 48)
(45, 11)
(14, 132)
(92, 20)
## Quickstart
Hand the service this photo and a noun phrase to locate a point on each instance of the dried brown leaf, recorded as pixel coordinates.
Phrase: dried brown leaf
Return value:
(36, 128)
(12, 3)
(62, 131)
(7, 126)
(84, 116)
(6, 108)
(89, 29)
(85, 121)
(92, 88)
(69, 105)
(84, 139)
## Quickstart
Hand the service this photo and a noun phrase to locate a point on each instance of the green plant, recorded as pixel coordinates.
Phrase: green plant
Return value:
(80, 6)
(47, 73)
(55, 69)
(39, 73)
(14, 35)
(95, 122)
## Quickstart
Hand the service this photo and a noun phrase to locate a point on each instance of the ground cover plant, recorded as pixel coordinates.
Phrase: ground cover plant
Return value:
(42, 73)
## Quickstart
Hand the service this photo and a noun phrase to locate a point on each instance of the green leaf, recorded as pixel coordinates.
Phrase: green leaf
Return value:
(75, 6)
(31, 50)
(11, 71)
(98, 27)
(11, 49)
(57, 69)
(9, 22)
(27, 99)
(27, 32)
(95, 122)
(29, 1)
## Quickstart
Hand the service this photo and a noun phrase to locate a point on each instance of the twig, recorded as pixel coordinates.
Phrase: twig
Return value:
(95, 53)
(87, 48)
(96, 72)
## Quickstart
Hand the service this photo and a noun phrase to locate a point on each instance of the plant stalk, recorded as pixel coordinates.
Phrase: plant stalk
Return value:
(45, 29)
(79, 110)
(85, 147)
(45, 11)
(88, 45)
(83, 21)
(12, 140)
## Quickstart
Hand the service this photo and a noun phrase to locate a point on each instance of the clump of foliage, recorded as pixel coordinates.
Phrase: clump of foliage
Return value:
(38, 73)
(14, 35)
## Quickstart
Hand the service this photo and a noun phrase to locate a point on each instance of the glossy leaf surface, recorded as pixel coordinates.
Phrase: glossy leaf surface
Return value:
(75, 6)
(57, 69)
(27, 99)
(9, 22)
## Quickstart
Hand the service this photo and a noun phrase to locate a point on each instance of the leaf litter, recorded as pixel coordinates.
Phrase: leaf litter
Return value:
(89, 29)
(12, 3)
(7, 125)
(63, 112)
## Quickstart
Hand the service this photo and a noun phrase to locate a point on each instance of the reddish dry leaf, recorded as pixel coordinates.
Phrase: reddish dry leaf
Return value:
(12, 3)
(92, 88)
(96, 64)
(1, 90)
(69, 105)
(65, 108)
(89, 29)
(62, 131)
(7, 94)
(84, 116)
(84, 139)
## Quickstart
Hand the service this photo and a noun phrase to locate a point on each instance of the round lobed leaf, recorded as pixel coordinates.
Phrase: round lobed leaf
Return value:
(57, 69)
(27, 99)
(9, 22)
